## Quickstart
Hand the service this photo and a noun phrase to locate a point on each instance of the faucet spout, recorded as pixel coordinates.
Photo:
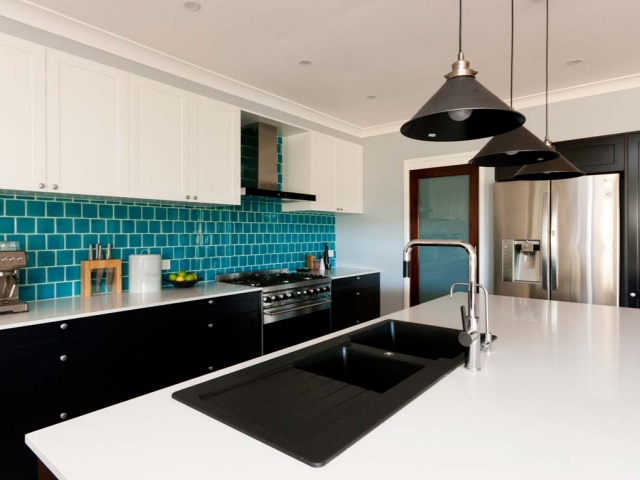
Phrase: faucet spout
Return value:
(470, 337)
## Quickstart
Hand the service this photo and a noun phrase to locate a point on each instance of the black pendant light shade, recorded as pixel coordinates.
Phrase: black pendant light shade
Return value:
(462, 109)
(557, 169)
(517, 147)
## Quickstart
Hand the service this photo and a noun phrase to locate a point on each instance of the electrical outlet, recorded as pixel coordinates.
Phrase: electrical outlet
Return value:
(332, 253)
(166, 264)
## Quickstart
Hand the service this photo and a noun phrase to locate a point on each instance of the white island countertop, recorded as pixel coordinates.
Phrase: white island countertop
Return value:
(559, 397)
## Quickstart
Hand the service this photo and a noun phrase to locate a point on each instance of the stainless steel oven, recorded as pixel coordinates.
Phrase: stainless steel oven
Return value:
(296, 307)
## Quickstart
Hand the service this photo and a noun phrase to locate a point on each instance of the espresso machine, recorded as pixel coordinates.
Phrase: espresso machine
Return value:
(11, 261)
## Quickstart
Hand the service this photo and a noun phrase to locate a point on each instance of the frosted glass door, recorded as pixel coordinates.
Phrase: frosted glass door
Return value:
(444, 207)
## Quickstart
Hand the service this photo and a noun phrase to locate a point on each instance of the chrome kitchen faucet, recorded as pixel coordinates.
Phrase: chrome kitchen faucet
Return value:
(469, 337)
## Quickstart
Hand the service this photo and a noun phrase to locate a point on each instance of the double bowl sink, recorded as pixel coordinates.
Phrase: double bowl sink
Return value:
(312, 404)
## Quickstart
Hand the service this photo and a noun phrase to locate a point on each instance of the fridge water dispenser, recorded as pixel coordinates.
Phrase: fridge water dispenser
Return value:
(521, 261)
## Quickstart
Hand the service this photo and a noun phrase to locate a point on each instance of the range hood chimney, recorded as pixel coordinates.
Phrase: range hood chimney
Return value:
(263, 181)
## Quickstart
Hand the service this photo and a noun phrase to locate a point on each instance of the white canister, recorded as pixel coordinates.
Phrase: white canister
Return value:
(145, 273)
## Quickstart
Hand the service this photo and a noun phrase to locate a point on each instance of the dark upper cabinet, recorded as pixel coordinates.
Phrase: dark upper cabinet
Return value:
(354, 300)
(630, 264)
(605, 154)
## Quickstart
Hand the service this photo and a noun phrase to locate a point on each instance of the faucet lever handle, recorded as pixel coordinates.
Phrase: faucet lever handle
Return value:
(465, 318)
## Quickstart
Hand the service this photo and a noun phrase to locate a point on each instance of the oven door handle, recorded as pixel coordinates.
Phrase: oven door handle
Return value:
(280, 312)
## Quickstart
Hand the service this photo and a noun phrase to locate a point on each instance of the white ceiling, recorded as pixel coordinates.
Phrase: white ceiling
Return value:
(398, 50)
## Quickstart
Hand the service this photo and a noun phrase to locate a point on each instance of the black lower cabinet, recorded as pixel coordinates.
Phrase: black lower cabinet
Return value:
(354, 300)
(181, 341)
(60, 370)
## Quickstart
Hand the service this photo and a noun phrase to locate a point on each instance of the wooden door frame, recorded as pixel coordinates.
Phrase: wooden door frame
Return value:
(474, 211)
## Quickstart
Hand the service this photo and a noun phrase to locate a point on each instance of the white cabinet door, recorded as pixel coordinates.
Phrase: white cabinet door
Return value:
(215, 151)
(328, 167)
(158, 140)
(348, 177)
(86, 126)
(323, 154)
(22, 115)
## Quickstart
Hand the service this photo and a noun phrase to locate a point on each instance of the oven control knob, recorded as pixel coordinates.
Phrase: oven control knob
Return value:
(313, 290)
(280, 297)
(304, 292)
(325, 289)
(273, 298)
(289, 295)
(266, 299)
(298, 293)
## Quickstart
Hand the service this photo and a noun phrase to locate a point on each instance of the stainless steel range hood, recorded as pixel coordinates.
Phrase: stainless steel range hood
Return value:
(260, 178)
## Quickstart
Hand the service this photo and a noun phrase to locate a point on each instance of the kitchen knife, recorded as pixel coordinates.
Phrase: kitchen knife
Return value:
(109, 270)
(99, 271)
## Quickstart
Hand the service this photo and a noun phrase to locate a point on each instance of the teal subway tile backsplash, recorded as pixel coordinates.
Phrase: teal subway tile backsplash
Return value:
(56, 232)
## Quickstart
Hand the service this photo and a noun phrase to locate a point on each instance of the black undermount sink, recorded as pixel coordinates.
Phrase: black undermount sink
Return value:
(314, 403)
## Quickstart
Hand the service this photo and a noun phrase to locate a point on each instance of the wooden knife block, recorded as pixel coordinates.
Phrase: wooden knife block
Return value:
(87, 266)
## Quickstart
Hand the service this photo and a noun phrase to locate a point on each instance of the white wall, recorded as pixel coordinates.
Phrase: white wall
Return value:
(376, 238)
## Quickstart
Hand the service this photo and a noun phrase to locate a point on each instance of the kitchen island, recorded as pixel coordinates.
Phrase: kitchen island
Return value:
(557, 398)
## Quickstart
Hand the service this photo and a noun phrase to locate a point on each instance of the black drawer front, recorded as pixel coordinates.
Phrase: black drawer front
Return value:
(235, 304)
(54, 331)
(358, 281)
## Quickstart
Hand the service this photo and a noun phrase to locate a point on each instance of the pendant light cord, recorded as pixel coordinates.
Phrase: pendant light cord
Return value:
(460, 29)
(546, 85)
(511, 83)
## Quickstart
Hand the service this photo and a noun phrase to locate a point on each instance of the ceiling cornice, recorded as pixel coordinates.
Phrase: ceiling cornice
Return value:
(39, 17)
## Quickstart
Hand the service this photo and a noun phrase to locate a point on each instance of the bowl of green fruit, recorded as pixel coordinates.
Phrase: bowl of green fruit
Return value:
(182, 279)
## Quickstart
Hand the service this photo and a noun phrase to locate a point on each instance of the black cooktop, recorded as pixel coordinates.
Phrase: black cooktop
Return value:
(271, 279)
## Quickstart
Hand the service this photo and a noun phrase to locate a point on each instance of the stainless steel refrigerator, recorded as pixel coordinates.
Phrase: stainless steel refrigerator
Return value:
(558, 239)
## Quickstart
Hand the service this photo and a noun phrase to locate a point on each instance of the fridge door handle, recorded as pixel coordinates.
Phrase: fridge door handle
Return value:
(544, 246)
(554, 241)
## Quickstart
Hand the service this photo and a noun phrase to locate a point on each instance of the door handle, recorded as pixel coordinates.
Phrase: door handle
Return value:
(554, 242)
(544, 245)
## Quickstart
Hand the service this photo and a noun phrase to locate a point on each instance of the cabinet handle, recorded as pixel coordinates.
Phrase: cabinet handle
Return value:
(187, 197)
(63, 416)
(210, 325)
(54, 186)
(211, 369)
(41, 185)
(195, 197)
(63, 358)
(63, 326)
(210, 302)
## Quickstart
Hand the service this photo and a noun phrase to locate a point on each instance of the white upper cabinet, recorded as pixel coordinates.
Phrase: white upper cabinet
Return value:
(348, 177)
(328, 167)
(215, 151)
(86, 127)
(158, 140)
(22, 115)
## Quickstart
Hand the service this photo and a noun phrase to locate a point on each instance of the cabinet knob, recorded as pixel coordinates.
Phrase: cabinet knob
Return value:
(210, 325)
(187, 197)
(632, 295)
(63, 416)
(358, 293)
(63, 358)
(41, 185)
(63, 326)
(210, 302)
(211, 369)
(195, 197)
(357, 278)
(54, 186)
